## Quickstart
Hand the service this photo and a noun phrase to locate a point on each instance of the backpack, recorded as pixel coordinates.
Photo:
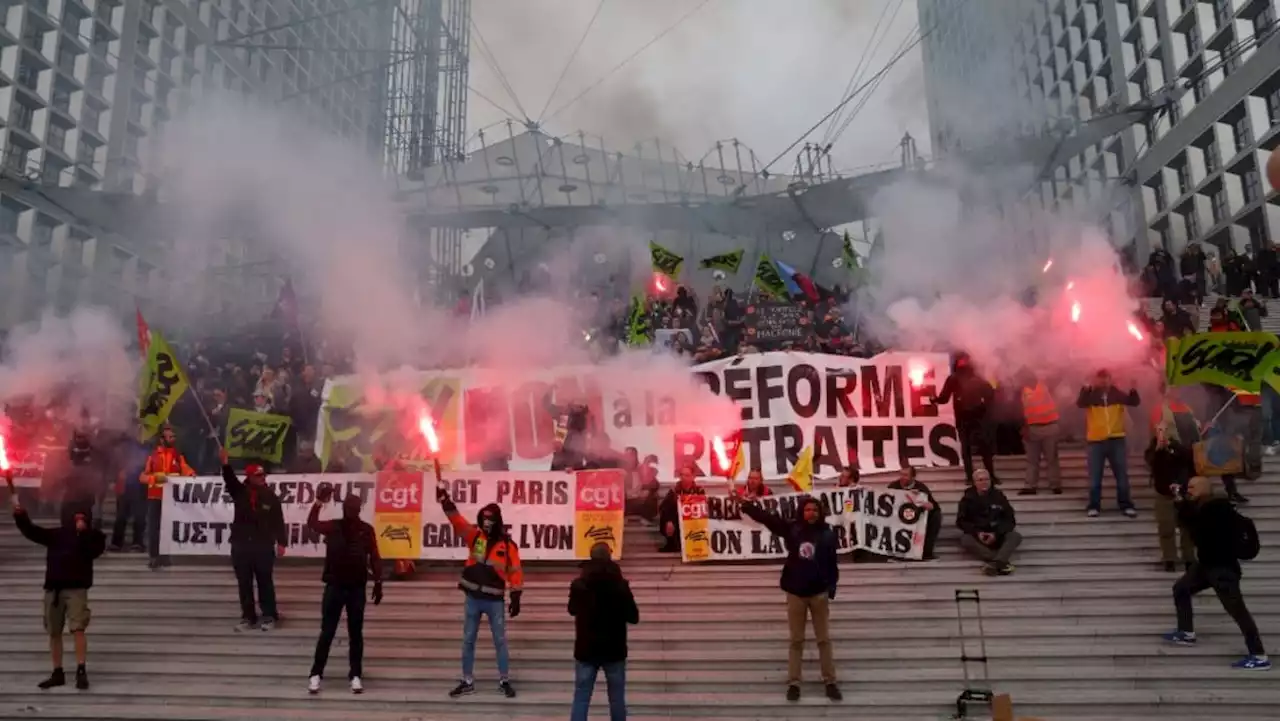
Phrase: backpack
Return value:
(1245, 535)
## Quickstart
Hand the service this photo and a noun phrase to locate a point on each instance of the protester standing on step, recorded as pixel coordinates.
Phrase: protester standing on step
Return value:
(602, 606)
(1104, 406)
(1219, 532)
(1172, 464)
(669, 509)
(492, 567)
(68, 576)
(131, 496)
(809, 579)
(987, 520)
(258, 536)
(973, 398)
(906, 481)
(1040, 434)
(163, 462)
(350, 560)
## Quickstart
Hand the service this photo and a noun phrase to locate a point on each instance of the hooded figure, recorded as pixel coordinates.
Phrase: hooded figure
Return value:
(973, 398)
(572, 429)
(350, 560)
(492, 567)
(258, 535)
(68, 576)
(809, 579)
(602, 606)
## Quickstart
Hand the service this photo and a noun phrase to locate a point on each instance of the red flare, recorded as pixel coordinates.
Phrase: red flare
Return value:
(428, 430)
(1133, 331)
(1075, 312)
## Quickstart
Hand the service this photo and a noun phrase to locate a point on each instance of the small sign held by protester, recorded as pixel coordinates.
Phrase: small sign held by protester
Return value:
(777, 323)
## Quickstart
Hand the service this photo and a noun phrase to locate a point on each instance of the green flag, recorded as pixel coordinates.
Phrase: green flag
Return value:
(1234, 360)
(664, 261)
(768, 280)
(728, 262)
(638, 323)
(258, 436)
(162, 383)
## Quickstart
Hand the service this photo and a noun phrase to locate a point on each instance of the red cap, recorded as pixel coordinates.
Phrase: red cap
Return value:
(254, 469)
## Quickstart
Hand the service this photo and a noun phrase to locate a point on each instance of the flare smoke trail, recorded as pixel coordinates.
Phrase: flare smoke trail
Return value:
(953, 276)
(322, 207)
(81, 360)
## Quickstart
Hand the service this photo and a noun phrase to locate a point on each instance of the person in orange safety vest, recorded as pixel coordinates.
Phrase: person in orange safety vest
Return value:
(163, 462)
(1040, 414)
(492, 568)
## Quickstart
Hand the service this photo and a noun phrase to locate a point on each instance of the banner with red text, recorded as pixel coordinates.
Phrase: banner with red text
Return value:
(550, 516)
(876, 411)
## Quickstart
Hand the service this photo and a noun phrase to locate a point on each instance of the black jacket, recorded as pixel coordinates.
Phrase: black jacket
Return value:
(1171, 466)
(917, 487)
(601, 603)
(972, 394)
(68, 562)
(350, 550)
(1212, 528)
(990, 512)
(259, 518)
(810, 568)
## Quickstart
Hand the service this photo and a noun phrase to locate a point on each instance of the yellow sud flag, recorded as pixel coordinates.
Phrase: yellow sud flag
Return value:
(664, 261)
(801, 476)
(163, 382)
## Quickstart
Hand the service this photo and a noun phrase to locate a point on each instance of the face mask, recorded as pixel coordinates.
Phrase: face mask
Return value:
(486, 524)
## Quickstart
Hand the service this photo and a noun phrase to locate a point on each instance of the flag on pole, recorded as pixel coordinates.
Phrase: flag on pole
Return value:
(286, 307)
(478, 302)
(144, 332)
(801, 476)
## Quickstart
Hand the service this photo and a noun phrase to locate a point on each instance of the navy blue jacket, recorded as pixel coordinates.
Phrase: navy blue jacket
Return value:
(811, 568)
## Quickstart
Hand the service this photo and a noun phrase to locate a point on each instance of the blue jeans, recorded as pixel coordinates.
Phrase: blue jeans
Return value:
(496, 610)
(1113, 451)
(584, 683)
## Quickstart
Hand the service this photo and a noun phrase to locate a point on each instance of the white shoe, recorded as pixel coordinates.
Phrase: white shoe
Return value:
(1269, 450)
(356, 685)
(313, 684)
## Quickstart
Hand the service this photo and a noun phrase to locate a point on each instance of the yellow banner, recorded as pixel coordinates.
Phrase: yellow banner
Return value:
(397, 514)
(599, 512)
(258, 436)
(163, 382)
(696, 544)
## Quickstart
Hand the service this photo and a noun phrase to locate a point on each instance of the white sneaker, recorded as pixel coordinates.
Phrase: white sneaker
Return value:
(1269, 450)
(356, 685)
(313, 684)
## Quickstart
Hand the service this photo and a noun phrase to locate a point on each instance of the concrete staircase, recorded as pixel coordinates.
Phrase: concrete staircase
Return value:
(1074, 634)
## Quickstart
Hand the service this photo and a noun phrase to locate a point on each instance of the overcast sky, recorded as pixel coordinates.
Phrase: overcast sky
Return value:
(762, 71)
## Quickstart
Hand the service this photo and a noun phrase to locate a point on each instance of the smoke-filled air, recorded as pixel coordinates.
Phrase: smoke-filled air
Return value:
(324, 207)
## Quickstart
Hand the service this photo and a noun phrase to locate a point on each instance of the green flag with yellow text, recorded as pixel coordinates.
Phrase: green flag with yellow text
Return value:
(162, 383)
(664, 261)
(1233, 360)
(728, 262)
(256, 436)
(768, 280)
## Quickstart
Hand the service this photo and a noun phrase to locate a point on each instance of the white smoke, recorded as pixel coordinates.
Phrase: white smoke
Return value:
(81, 360)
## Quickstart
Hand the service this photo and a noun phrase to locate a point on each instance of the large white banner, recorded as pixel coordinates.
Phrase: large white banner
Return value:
(868, 411)
(550, 516)
(872, 518)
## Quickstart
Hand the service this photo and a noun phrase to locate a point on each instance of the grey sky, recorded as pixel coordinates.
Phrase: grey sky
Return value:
(759, 70)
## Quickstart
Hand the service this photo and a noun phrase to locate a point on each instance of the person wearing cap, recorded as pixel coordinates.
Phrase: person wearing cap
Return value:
(163, 462)
(350, 560)
(258, 535)
(68, 575)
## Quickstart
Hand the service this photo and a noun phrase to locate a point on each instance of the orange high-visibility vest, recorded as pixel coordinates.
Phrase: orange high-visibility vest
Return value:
(1038, 407)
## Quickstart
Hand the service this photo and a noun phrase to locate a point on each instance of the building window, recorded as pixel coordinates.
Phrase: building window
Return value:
(15, 159)
(1211, 160)
(1193, 226)
(1264, 22)
(1223, 12)
(1273, 106)
(1252, 186)
(1166, 238)
(1193, 39)
(1218, 202)
(1241, 132)
(1184, 179)
(1158, 191)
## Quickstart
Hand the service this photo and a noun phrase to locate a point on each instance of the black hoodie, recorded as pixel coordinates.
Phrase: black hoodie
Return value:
(601, 603)
(259, 517)
(69, 559)
(1212, 527)
(988, 512)
(810, 568)
(1172, 465)
(350, 549)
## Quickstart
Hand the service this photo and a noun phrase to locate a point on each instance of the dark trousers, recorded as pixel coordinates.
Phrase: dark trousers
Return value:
(336, 599)
(130, 506)
(153, 526)
(981, 433)
(1226, 583)
(255, 563)
(933, 526)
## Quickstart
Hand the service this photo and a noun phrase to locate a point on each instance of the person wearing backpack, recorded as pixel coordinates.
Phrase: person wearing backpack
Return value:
(1223, 538)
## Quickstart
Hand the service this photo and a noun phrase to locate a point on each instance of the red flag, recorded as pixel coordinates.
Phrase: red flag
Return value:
(144, 333)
